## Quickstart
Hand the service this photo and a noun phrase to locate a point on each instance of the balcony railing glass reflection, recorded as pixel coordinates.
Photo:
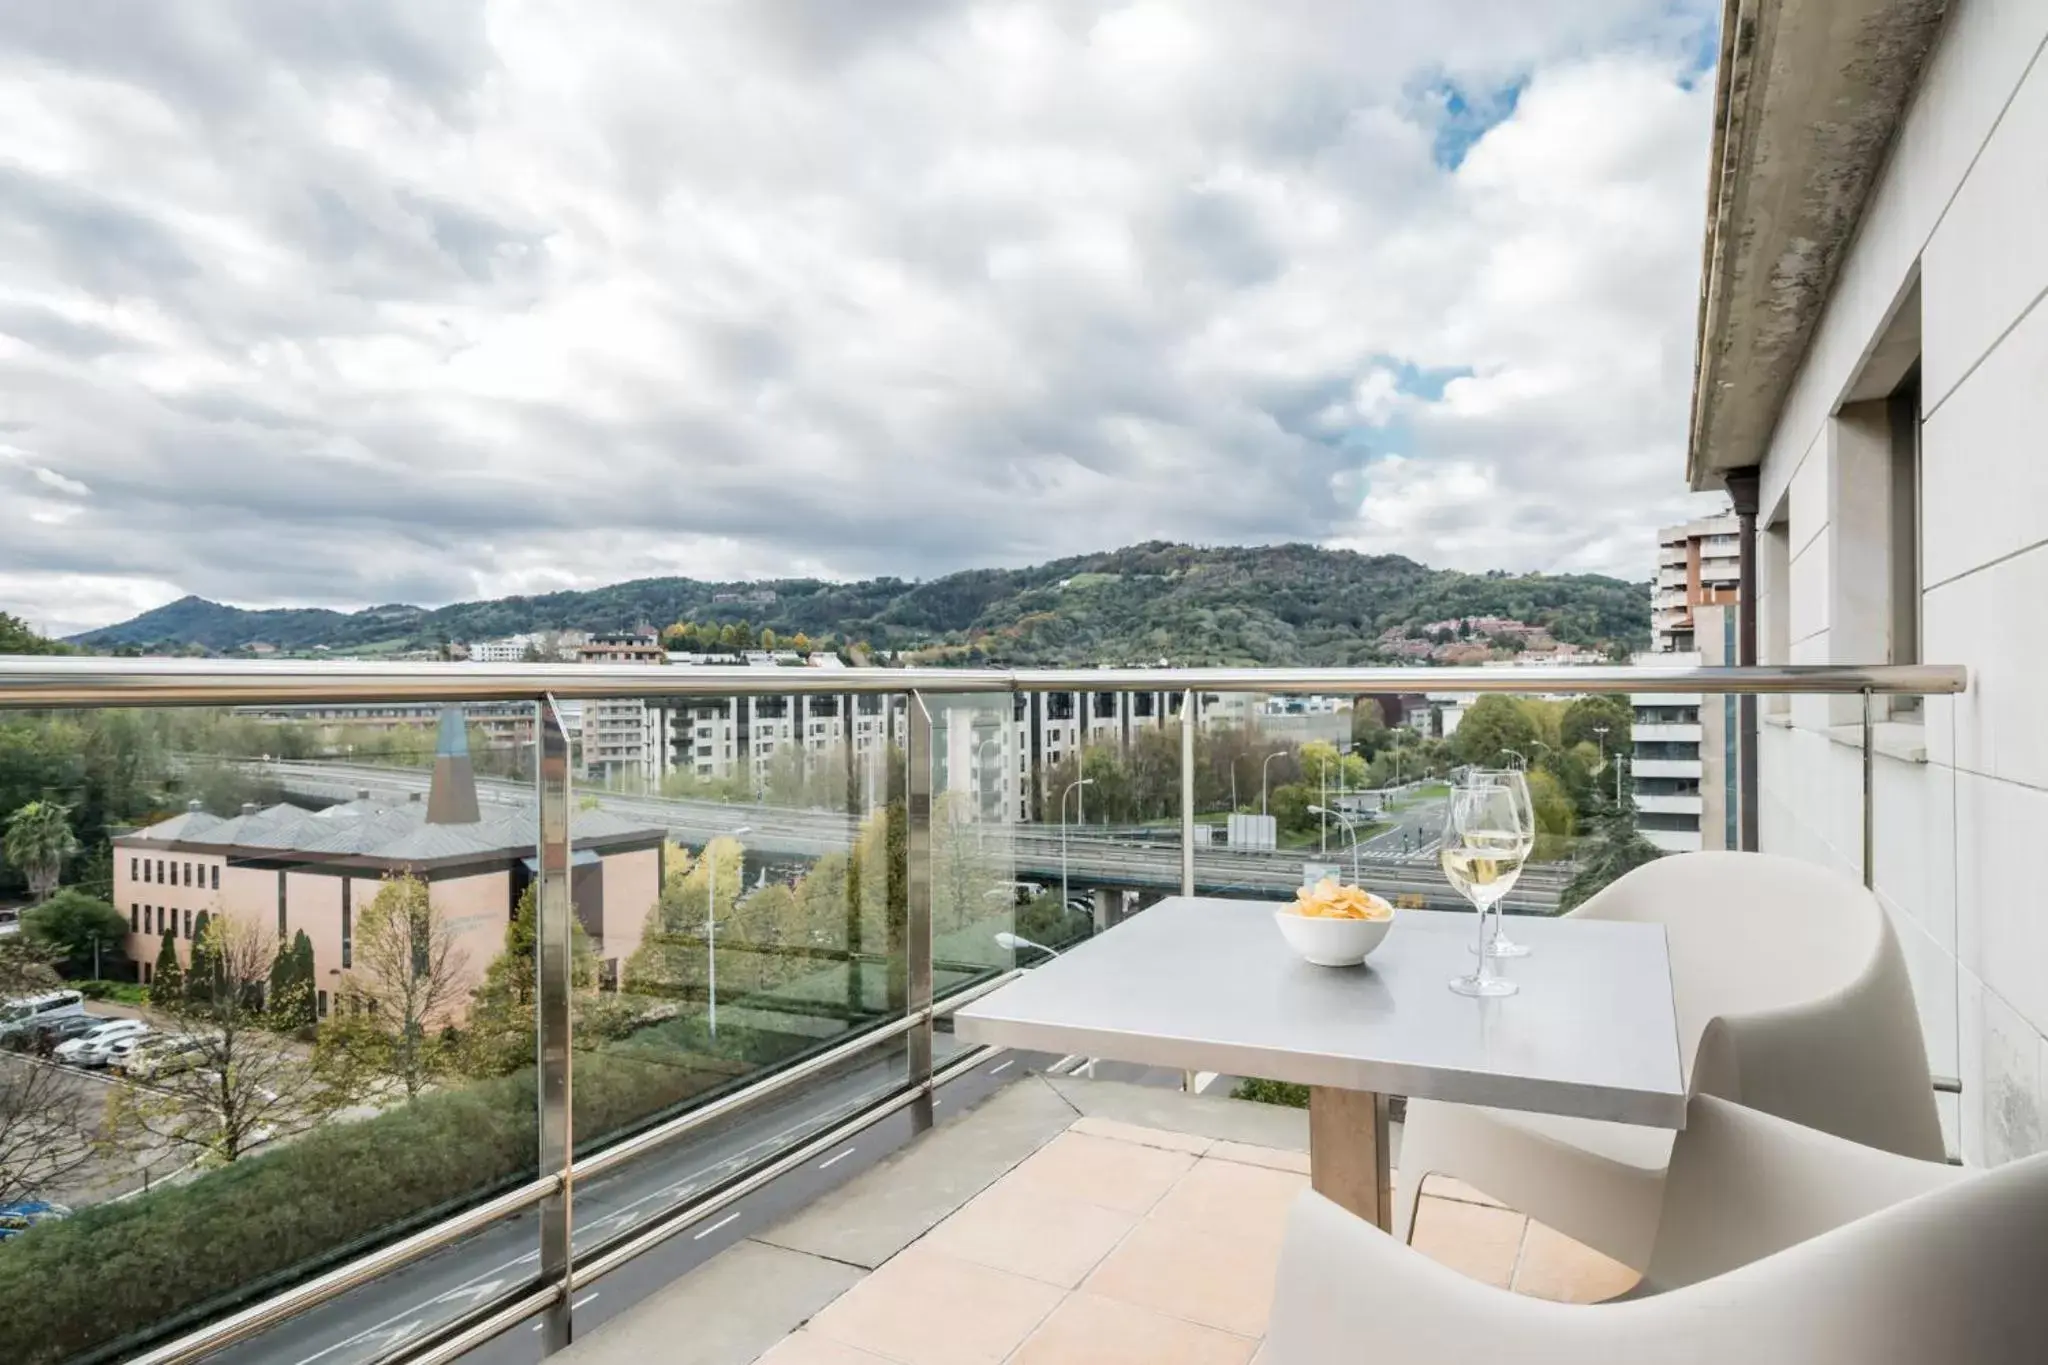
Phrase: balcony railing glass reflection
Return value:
(853, 893)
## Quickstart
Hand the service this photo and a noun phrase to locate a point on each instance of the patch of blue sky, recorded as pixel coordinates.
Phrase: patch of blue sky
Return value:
(1465, 114)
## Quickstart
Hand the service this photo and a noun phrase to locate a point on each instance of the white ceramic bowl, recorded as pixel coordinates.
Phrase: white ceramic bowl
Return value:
(1331, 942)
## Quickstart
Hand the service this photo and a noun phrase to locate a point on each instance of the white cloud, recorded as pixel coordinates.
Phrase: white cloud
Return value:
(436, 301)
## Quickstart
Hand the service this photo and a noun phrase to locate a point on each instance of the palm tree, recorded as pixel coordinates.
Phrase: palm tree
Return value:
(39, 839)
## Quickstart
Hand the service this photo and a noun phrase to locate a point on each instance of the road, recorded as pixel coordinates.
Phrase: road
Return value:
(1091, 858)
(370, 1321)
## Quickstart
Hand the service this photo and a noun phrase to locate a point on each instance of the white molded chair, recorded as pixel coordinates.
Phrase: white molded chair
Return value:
(1799, 968)
(1779, 1245)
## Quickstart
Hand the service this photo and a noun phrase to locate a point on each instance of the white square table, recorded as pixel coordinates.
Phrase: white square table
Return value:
(1200, 984)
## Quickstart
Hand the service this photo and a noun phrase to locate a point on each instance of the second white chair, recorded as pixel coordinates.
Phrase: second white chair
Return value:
(1801, 972)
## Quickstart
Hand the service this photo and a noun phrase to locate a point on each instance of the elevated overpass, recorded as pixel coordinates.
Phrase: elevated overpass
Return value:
(1119, 859)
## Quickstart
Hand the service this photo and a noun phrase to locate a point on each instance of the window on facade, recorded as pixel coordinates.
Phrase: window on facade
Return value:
(1903, 408)
(145, 870)
(147, 973)
(280, 906)
(216, 877)
(134, 918)
(188, 874)
(133, 872)
(321, 1004)
(348, 947)
(188, 922)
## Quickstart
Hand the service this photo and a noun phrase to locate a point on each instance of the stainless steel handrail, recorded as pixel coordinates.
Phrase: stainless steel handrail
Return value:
(48, 682)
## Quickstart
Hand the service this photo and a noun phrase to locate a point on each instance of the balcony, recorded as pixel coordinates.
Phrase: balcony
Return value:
(1061, 1219)
(1678, 804)
(748, 976)
(1668, 733)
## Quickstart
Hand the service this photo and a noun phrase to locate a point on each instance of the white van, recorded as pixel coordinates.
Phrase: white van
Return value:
(27, 1014)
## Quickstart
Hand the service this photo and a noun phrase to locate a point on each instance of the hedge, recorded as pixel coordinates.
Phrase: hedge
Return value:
(98, 1284)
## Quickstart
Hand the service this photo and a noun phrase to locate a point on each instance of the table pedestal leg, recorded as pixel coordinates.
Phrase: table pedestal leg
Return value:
(1348, 1155)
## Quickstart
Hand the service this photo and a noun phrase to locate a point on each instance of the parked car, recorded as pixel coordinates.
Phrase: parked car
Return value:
(120, 1050)
(160, 1055)
(19, 1018)
(90, 1048)
(48, 1037)
(19, 1217)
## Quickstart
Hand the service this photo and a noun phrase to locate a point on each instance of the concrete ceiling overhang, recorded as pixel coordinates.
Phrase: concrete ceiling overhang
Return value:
(1809, 95)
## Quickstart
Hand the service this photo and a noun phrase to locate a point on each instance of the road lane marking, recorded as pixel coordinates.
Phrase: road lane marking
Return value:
(999, 1070)
(729, 1218)
(832, 1161)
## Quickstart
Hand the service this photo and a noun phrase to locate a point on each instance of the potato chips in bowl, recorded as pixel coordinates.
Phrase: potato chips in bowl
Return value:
(1333, 925)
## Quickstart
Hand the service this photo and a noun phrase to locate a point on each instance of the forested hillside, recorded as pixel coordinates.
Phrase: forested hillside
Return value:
(1275, 605)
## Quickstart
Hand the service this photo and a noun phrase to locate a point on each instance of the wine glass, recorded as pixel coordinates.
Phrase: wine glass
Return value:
(1488, 832)
(1498, 944)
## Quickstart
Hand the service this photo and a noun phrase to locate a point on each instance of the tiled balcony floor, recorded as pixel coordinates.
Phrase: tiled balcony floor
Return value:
(1111, 1240)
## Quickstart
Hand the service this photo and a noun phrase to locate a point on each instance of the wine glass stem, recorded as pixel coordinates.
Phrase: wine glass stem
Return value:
(1485, 971)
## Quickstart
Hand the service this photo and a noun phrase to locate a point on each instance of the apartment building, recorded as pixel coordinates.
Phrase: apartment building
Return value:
(503, 724)
(626, 740)
(1681, 768)
(1870, 389)
(1699, 563)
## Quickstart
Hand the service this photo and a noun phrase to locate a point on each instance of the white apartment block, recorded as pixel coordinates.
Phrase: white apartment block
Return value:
(510, 650)
(625, 739)
(1873, 389)
(1699, 563)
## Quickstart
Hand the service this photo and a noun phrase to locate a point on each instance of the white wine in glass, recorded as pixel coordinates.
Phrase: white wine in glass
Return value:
(1498, 944)
(1488, 833)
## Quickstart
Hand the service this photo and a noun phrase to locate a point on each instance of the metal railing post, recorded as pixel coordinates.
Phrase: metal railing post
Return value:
(1189, 702)
(553, 915)
(1869, 789)
(917, 945)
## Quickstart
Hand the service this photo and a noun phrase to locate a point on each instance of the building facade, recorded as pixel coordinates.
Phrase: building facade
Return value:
(625, 739)
(282, 870)
(1699, 564)
(1873, 389)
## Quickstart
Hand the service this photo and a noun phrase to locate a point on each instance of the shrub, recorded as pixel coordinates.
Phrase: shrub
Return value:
(1272, 1092)
(98, 1284)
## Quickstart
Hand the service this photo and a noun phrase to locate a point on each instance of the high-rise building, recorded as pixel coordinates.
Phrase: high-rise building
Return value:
(1699, 564)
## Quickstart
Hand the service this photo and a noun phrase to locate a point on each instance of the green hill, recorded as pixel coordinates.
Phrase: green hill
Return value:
(1274, 605)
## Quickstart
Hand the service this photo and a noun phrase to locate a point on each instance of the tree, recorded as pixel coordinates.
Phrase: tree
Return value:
(38, 841)
(16, 637)
(401, 994)
(1618, 850)
(251, 1084)
(1556, 817)
(78, 930)
(167, 986)
(292, 982)
(673, 957)
(1584, 718)
(1494, 725)
(501, 1030)
(202, 973)
(1369, 733)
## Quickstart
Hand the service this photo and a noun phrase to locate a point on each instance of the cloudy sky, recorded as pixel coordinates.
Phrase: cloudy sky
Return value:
(365, 301)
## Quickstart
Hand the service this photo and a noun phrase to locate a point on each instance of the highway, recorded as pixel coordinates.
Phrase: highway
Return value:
(1091, 857)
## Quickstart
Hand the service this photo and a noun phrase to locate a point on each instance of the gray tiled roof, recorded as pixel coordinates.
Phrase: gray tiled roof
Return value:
(397, 833)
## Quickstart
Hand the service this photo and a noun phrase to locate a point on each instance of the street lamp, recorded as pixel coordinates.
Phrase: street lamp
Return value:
(1072, 787)
(1601, 731)
(711, 922)
(1277, 753)
(1010, 943)
(1350, 825)
(1518, 754)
